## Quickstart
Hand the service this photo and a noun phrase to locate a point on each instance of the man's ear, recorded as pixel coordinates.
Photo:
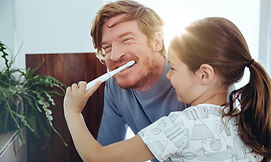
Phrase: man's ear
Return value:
(205, 74)
(157, 43)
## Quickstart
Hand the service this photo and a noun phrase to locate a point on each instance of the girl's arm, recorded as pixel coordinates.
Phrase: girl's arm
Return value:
(88, 148)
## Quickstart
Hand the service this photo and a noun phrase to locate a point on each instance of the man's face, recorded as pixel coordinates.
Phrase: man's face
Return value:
(125, 42)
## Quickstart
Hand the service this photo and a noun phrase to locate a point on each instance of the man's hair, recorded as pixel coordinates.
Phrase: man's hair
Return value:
(148, 21)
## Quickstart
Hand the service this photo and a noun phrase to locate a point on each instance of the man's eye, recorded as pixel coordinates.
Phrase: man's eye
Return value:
(106, 49)
(126, 40)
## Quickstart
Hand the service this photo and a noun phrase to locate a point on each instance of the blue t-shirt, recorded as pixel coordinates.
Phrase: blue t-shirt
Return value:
(123, 108)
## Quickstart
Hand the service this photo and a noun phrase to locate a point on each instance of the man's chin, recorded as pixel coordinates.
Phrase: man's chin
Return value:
(125, 85)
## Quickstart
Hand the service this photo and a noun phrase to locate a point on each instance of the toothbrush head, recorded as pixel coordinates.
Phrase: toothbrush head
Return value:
(130, 63)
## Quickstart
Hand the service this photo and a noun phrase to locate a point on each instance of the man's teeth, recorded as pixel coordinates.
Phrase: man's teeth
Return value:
(126, 67)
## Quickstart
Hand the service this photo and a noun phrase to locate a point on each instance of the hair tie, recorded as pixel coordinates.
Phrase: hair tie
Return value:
(250, 62)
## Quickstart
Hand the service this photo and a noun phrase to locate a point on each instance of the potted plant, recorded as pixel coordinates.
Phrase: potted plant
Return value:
(25, 99)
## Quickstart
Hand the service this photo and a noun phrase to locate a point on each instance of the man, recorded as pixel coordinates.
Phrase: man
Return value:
(137, 96)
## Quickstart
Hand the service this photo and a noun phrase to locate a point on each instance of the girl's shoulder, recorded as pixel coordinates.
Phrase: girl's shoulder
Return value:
(200, 111)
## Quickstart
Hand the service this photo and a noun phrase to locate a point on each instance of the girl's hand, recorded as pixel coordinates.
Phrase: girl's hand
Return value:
(77, 96)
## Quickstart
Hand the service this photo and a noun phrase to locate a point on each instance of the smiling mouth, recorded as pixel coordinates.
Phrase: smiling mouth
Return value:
(125, 68)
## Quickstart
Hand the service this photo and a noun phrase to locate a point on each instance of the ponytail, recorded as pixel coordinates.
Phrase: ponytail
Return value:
(255, 114)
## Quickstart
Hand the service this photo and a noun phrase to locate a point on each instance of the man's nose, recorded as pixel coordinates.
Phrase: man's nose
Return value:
(116, 52)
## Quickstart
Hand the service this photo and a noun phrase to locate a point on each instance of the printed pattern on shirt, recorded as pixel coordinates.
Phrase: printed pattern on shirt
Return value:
(197, 134)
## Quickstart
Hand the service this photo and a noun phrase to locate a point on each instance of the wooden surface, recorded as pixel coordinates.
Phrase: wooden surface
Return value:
(68, 68)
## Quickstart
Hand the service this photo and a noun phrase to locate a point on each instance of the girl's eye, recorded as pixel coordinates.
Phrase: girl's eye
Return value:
(171, 68)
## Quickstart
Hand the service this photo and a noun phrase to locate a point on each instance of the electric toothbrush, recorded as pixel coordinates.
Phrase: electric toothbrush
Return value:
(109, 74)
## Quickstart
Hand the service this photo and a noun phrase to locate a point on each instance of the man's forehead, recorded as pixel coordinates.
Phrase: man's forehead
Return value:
(112, 29)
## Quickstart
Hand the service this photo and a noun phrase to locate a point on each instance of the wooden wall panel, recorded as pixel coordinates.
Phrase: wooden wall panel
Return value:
(68, 68)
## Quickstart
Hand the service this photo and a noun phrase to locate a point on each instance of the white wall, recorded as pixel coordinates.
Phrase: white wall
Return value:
(265, 35)
(7, 27)
(54, 26)
(63, 25)
(179, 13)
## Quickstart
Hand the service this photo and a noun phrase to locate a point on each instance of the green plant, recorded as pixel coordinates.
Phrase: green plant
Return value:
(25, 99)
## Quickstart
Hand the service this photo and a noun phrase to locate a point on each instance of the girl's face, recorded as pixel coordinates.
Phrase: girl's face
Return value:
(182, 79)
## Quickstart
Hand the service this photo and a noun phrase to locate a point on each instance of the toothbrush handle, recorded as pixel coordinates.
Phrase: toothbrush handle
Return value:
(101, 79)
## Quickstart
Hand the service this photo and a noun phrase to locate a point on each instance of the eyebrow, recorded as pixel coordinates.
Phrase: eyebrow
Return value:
(103, 43)
(124, 34)
(120, 36)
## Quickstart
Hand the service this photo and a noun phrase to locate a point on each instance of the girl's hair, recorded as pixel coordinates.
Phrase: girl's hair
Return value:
(148, 21)
(219, 43)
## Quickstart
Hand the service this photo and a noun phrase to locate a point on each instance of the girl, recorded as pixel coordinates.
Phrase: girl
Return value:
(205, 61)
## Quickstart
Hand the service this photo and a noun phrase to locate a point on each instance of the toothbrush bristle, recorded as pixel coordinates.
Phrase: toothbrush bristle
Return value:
(130, 63)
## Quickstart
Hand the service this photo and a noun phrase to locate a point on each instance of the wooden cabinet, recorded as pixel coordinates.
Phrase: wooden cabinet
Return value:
(68, 68)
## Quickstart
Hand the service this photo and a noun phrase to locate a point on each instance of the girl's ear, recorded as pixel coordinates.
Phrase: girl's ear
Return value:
(157, 43)
(205, 74)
